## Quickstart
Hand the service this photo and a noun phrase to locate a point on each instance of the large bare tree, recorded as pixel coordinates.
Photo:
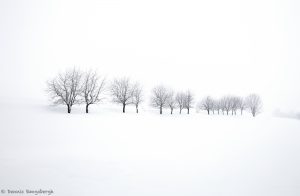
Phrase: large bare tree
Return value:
(92, 88)
(66, 88)
(188, 101)
(159, 98)
(254, 103)
(206, 104)
(180, 98)
(137, 96)
(122, 91)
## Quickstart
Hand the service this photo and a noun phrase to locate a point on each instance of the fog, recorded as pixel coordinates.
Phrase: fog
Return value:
(211, 47)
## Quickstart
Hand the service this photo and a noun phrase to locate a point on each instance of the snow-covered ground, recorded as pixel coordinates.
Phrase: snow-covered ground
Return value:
(113, 154)
(215, 48)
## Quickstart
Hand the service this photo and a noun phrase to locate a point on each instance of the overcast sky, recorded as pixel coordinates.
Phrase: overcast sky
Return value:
(212, 47)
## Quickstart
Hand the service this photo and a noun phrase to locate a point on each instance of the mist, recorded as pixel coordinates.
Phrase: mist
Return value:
(211, 47)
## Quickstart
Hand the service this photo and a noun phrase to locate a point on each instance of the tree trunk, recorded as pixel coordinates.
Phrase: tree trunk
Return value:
(218, 112)
(69, 109)
(160, 110)
(208, 112)
(180, 110)
(137, 108)
(124, 105)
(227, 112)
(241, 112)
(188, 109)
(87, 108)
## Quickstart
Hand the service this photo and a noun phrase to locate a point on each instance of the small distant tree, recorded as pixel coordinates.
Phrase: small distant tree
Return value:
(206, 104)
(254, 103)
(234, 101)
(180, 99)
(92, 88)
(171, 102)
(213, 108)
(241, 104)
(217, 106)
(226, 104)
(222, 104)
(66, 88)
(188, 101)
(122, 91)
(159, 98)
(137, 96)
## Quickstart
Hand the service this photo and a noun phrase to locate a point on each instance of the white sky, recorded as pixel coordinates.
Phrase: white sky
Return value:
(212, 47)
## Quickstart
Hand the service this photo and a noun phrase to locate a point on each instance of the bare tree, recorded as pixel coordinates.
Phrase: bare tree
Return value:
(66, 88)
(180, 98)
(171, 102)
(222, 104)
(188, 101)
(217, 105)
(159, 97)
(92, 87)
(241, 104)
(226, 104)
(234, 101)
(137, 96)
(254, 103)
(122, 91)
(206, 104)
(213, 107)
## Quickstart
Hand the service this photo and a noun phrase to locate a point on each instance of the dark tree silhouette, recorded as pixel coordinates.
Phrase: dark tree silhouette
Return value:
(122, 92)
(92, 88)
(159, 97)
(66, 88)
